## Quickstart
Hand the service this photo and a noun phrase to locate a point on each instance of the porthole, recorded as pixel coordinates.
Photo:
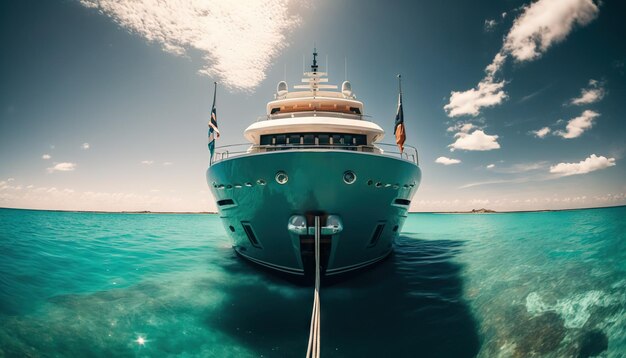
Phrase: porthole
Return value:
(370, 182)
(379, 184)
(221, 186)
(261, 182)
(248, 184)
(396, 186)
(387, 185)
(281, 177)
(349, 177)
(229, 186)
(237, 186)
(232, 229)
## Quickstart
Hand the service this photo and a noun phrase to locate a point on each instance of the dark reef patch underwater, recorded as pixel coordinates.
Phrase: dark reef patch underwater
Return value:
(549, 284)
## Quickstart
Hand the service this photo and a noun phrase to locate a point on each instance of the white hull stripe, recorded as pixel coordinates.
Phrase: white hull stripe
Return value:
(355, 267)
(273, 266)
(300, 272)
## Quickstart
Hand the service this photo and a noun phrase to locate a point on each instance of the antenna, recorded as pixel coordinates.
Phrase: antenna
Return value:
(314, 65)
(327, 72)
(400, 84)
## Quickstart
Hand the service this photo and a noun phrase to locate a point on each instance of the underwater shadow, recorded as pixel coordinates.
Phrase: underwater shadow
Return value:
(409, 305)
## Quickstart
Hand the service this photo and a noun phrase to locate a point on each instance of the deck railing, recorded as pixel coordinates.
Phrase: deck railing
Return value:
(313, 113)
(228, 151)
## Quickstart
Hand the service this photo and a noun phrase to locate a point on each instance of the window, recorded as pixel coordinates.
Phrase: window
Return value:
(310, 139)
(294, 139)
(266, 140)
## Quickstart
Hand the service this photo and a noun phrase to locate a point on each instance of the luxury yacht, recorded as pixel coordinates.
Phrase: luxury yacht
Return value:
(314, 154)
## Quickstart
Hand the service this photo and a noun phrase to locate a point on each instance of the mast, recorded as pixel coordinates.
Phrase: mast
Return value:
(315, 80)
(314, 66)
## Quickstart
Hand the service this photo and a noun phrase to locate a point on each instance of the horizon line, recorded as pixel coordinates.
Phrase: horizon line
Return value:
(215, 212)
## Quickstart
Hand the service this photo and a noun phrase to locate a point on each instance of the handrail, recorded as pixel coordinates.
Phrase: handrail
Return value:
(410, 153)
(410, 148)
(314, 113)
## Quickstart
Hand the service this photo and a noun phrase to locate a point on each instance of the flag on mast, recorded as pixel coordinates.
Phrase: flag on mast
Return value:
(398, 130)
(214, 133)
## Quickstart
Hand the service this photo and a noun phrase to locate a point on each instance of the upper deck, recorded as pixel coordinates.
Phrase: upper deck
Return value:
(315, 116)
(314, 108)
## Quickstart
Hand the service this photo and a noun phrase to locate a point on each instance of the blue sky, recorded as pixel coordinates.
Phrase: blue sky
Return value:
(513, 105)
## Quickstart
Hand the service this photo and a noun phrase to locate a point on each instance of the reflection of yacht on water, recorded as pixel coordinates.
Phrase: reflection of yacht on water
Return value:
(313, 154)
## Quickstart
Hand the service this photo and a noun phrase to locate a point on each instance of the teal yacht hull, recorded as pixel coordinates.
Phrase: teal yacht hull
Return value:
(271, 223)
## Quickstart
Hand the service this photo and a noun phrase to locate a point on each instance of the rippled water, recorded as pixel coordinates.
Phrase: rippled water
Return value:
(550, 284)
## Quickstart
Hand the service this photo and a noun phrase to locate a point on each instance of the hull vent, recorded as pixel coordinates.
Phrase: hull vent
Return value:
(248, 230)
(402, 202)
(376, 236)
(225, 202)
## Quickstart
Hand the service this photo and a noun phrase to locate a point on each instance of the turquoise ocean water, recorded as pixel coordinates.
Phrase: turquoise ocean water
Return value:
(547, 284)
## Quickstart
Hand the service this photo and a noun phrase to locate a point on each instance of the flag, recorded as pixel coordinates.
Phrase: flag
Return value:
(214, 133)
(398, 130)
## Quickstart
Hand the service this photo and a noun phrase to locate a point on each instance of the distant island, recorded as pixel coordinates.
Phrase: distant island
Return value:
(473, 211)
(482, 211)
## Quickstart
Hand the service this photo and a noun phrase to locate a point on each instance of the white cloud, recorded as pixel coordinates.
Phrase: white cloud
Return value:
(592, 94)
(541, 133)
(447, 161)
(167, 163)
(541, 24)
(477, 140)
(495, 65)
(70, 199)
(576, 126)
(62, 167)
(46, 156)
(523, 167)
(466, 127)
(487, 94)
(238, 40)
(592, 163)
(461, 127)
(147, 162)
(491, 166)
(85, 146)
(544, 23)
(490, 24)
(533, 94)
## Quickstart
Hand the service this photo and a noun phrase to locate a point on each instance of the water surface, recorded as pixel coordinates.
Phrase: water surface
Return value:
(548, 284)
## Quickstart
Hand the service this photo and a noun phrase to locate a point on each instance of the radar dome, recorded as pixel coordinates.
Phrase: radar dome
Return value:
(282, 88)
(346, 88)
